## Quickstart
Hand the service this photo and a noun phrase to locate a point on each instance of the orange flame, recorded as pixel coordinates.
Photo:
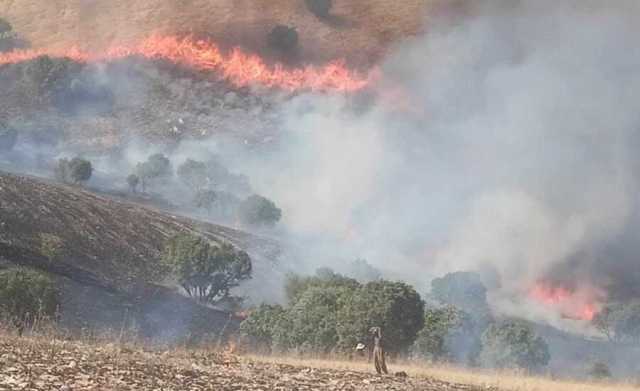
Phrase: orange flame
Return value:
(583, 304)
(237, 67)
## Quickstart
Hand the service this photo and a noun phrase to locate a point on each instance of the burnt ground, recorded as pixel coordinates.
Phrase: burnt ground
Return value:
(29, 364)
(106, 254)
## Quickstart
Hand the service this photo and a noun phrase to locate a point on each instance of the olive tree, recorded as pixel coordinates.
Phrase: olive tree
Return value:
(205, 270)
(156, 167)
(80, 170)
(259, 211)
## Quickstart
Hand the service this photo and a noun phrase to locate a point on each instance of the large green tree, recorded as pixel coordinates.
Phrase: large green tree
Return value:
(447, 335)
(394, 306)
(205, 270)
(258, 211)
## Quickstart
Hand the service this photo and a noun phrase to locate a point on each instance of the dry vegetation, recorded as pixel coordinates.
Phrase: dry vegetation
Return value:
(358, 29)
(38, 363)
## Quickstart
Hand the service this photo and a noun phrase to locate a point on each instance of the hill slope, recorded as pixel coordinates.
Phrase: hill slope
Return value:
(106, 252)
(358, 29)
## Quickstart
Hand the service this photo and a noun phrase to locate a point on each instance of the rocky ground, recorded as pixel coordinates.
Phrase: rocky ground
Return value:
(38, 364)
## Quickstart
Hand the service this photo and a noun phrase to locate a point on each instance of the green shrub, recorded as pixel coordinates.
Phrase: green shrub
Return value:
(320, 8)
(599, 371)
(7, 36)
(283, 39)
(27, 296)
(80, 170)
(157, 167)
(206, 271)
(444, 329)
(263, 325)
(258, 211)
(394, 306)
(513, 344)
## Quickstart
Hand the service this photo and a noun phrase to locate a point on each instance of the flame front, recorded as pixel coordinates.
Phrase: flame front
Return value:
(237, 67)
(574, 304)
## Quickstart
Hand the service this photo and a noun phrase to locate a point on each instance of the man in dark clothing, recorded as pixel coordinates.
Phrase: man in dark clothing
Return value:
(378, 351)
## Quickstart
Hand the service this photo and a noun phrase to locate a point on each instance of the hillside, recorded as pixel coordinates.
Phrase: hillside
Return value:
(358, 30)
(105, 252)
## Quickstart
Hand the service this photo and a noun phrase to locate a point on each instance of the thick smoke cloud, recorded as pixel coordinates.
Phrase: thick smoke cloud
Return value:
(506, 144)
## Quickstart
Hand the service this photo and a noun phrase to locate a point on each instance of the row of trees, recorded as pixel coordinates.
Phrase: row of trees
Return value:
(213, 188)
(332, 313)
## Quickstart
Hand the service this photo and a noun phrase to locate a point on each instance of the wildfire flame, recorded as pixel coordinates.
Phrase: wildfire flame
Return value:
(237, 67)
(582, 304)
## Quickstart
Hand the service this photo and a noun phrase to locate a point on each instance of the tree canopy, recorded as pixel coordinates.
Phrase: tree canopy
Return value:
(205, 270)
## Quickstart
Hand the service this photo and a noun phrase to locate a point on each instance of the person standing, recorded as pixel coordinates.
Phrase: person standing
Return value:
(378, 350)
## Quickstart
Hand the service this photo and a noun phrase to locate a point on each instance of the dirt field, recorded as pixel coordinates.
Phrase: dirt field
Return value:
(39, 364)
(44, 364)
(359, 30)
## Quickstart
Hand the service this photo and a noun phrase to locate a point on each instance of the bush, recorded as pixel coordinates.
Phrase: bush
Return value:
(258, 211)
(311, 323)
(600, 371)
(27, 296)
(283, 39)
(394, 306)
(80, 170)
(207, 272)
(447, 335)
(7, 36)
(8, 137)
(76, 170)
(157, 167)
(513, 344)
(193, 173)
(320, 8)
(262, 326)
(205, 199)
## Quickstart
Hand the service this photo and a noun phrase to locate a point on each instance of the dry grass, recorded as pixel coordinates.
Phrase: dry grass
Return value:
(501, 380)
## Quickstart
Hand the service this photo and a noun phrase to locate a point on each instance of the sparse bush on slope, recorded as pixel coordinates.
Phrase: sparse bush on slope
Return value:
(27, 296)
(319, 8)
(283, 38)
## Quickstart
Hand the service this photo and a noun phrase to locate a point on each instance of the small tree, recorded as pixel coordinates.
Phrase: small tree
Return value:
(283, 39)
(206, 271)
(513, 344)
(205, 199)
(156, 167)
(193, 173)
(80, 170)
(259, 211)
(27, 296)
(627, 322)
(8, 137)
(319, 8)
(133, 181)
